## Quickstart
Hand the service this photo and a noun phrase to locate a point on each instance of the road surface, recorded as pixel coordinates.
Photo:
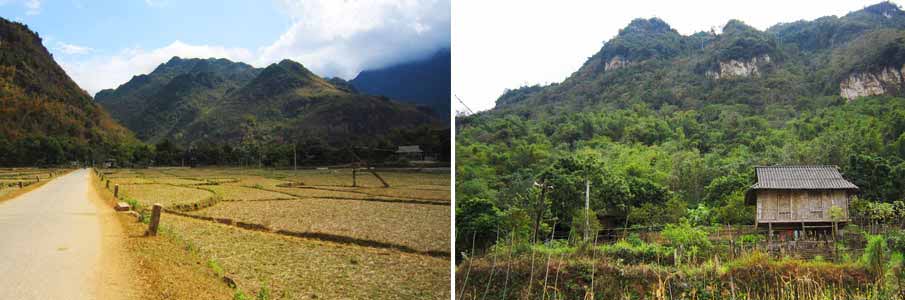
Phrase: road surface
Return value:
(52, 240)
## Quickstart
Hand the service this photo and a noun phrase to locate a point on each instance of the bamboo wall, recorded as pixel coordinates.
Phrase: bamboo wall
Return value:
(799, 205)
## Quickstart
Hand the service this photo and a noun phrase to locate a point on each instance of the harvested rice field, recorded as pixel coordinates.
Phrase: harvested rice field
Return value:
(166, 195)
(310, 233)
(297, 268)
(178, 181)
(232, 192)
(421, 227)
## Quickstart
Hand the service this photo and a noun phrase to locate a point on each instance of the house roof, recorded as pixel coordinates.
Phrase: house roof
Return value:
(409, 149)
(799, 178)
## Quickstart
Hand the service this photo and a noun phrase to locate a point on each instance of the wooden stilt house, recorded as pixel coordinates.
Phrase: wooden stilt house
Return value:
(795, 199)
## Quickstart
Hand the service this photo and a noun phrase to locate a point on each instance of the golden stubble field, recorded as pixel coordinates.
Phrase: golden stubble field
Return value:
(11, 177)
(361, 242)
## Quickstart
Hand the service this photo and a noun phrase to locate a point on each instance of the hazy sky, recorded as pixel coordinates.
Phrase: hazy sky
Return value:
(103, 43)
(504, 44)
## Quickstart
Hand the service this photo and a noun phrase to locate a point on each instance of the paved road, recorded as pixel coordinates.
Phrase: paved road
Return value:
(50, 241)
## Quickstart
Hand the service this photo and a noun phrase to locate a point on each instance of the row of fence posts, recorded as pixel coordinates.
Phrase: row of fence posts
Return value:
(19, 183)
(37, 179)
(155, 210)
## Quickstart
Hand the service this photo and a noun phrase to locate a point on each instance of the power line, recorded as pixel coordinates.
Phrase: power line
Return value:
(470, 112)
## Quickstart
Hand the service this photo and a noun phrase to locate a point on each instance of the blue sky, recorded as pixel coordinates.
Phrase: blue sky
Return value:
(102, 44)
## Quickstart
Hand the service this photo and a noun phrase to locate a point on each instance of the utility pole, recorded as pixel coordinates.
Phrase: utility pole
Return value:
(540, 208)
(587, 207)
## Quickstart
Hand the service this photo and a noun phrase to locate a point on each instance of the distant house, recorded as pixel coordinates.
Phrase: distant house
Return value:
(792, 198)
(411, 152)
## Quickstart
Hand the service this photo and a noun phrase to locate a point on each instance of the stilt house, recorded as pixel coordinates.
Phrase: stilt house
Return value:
(793, 198)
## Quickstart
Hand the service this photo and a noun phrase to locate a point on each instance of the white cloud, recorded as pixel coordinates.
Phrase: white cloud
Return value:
(32, 7)
(341, 38)
(156, 2)
(72, 49)
(332, 38)
(102, 72)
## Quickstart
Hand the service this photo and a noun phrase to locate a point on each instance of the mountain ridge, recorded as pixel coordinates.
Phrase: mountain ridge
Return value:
(702, 61)
(217, 101)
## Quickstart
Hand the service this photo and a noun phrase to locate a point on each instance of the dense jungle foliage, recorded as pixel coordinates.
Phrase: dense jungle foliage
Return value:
(661, 142)
(668, 150)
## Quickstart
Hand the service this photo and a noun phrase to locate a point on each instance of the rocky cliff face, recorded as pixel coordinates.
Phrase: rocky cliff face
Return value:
(871, 84)
(616, 62)
(739, 68)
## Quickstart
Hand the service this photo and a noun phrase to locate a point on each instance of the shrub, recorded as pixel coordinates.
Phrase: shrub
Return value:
(750, 240)
(635, 253)
(874, 257)
(689, 241)
(896, 239)
(582, 221)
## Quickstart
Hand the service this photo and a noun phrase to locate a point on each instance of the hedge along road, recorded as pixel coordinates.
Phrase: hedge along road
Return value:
(60, 241)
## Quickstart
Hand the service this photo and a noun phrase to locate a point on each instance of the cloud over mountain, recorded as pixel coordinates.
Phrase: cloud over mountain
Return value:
(332, 38)
(100, 72)
(341, 38)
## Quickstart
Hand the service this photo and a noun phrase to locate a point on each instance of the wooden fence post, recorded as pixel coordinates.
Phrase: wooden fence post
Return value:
(37, 179)
(354, 183)
(155, 219)
(116, 191)
(108, 184)
(20, 184)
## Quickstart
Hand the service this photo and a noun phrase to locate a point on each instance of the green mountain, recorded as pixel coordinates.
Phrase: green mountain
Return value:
(158, 104)
(859, 54)
(190, 101)
(666, 126)
(47, 118)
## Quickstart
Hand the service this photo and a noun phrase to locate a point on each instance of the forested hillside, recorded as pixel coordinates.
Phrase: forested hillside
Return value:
(47, 118)
(668, 127)
(214, 111)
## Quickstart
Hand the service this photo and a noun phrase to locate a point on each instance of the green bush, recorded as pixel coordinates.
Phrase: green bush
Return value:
(875, 255)
(637, 253)
(689, 241)
(750, 240)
